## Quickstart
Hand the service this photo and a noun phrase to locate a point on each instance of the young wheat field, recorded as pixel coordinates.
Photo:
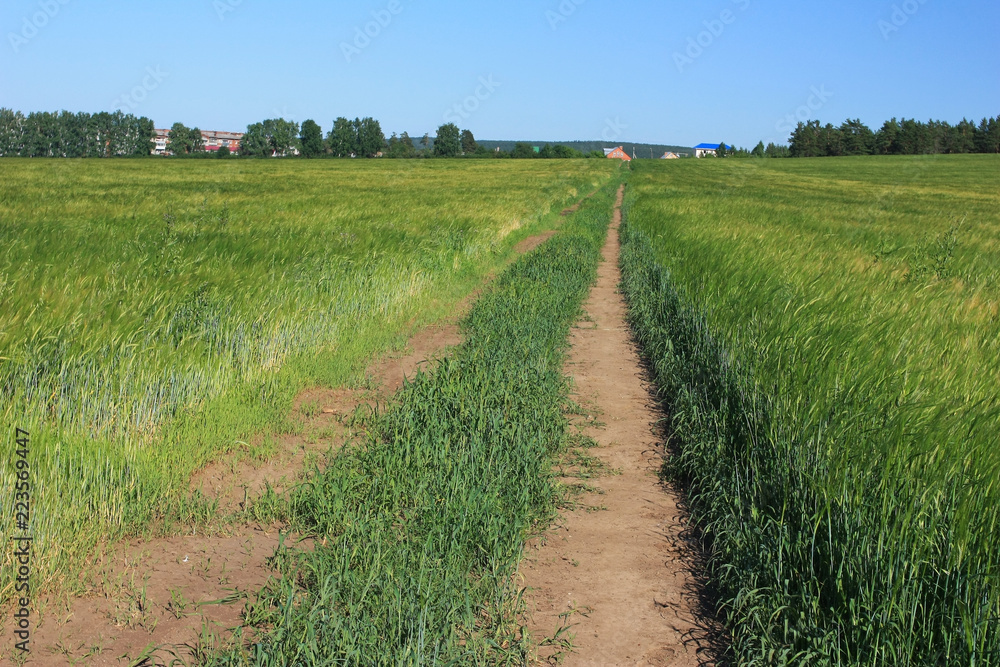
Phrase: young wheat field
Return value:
(825, 334)
(158, 315)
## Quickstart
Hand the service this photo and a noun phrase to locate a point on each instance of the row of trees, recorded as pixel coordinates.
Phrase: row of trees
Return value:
(452, 143)
(895, 137)
(361, 137)
(65, 134)
(364, 138)
(273, 137)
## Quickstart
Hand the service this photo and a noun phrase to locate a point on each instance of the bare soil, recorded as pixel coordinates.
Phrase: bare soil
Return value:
(171, 598)
(168, 598)
(617, 569)
(529, 244)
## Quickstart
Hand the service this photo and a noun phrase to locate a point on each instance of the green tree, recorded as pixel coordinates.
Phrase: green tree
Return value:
(857, 138)
(987, 138)
(408, 143)
(722, 152)
(806, 140)
(312, 139)
(887, 139)
(371, 139)
(468, 142)
(40, 134)
(774, 151)
(448, 142)
(179, 139)
(274, 137)
(523, 151)
(224, 152)
(255, 142)
(963, 137)
(146, 140)
(283, 136)
(831, 141)
(401, 147)
(196, 142)
(425, 141)
(561, 152)
(758, 150)
(99, 131)
(343, 139)
(11, 132)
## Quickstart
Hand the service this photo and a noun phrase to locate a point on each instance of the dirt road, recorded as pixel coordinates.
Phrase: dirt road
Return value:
(619, 565)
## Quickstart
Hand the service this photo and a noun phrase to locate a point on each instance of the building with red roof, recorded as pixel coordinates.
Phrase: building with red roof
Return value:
(617, 154)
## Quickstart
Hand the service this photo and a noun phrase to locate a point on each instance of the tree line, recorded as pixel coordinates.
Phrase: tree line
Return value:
(66, 134)
(364, 138)
(116, 134)
(895, 137)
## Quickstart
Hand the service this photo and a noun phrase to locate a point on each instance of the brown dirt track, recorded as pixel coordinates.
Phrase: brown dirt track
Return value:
(619, 571)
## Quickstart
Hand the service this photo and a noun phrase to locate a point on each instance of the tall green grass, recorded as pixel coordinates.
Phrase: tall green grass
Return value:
(420, 529)
(155, 314)
(825, 337)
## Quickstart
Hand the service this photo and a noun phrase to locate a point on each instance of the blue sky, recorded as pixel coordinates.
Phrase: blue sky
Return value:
(645, 71)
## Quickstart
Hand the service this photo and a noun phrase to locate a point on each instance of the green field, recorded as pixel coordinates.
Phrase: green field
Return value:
(825, 334)
(157, 314)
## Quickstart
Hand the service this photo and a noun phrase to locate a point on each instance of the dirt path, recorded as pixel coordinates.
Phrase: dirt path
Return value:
(174, 598)
(618, 565)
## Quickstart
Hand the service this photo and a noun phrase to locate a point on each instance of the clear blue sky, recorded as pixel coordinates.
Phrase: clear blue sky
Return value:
(559, 71)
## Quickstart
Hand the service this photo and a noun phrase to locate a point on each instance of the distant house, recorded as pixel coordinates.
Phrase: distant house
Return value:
(670, 156)
(212, 140)
(617, 154)
(701, 150)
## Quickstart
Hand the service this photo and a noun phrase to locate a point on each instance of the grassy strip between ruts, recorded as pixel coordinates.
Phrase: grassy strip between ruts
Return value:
(421, 527)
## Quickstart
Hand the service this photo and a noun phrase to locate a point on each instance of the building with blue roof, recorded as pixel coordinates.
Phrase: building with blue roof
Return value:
(701, 150)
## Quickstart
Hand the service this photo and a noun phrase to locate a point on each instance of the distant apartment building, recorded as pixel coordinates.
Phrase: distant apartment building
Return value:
(211, 139)
(216, 140)
(162, 139)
